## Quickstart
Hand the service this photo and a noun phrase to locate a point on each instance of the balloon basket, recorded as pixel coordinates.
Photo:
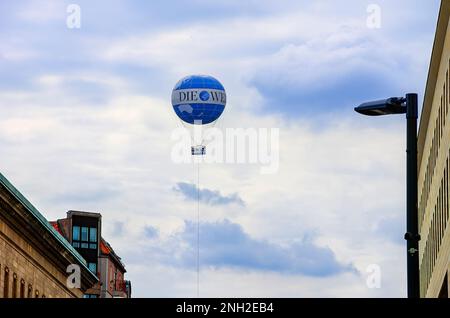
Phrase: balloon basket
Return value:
(198, 150)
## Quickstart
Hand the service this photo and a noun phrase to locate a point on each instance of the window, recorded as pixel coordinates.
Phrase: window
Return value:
(93, 235)
(90, 296)
(76, 233)
(14, 286)
(22, 288)
(92, 238)
(84, 237)
(84, 233)
(93, 267)
(6, 283)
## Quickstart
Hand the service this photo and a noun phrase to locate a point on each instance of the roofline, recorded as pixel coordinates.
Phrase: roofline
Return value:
(112, 254)
(435, 62)
(43, 221)
(84, 213)
(115, 257)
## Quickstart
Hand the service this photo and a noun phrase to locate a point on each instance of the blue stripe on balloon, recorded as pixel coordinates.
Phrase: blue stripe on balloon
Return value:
(207, 113)
(199, 81)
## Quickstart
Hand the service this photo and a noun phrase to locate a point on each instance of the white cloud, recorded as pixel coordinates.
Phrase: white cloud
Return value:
(169, 282)
(15, 52)
(41, 11)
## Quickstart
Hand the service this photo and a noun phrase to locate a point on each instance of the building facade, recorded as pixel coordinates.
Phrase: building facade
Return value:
(35, 260)
(83, 231)
(434, 167)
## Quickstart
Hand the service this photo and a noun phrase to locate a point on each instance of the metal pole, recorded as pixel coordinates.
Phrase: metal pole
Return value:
(412, 236)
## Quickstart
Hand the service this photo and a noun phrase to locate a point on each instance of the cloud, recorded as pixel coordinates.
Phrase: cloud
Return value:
(327, 74)
(87, 196)
(393, 228)
(118, 228)
(210, 197)
(39, 11)
(225, 244)
(237, 283)
(151, 232)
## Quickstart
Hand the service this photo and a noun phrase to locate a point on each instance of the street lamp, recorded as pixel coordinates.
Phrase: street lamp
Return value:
(408, 106)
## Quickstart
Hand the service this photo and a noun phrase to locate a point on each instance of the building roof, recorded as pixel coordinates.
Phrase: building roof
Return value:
(43, 221)
(106, 249)
(83, 213)
(438, 46)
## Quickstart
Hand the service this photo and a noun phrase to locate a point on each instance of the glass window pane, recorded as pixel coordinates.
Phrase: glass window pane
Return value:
(76, 244)
(93, 234)
(92, 246)
(93, 267)
(84, 245)
(84, 233)
(76, 233)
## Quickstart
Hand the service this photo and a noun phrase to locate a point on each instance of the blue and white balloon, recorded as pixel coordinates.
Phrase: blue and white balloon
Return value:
(199, 99)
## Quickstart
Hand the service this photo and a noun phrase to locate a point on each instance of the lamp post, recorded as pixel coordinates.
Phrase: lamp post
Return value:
(405, 105)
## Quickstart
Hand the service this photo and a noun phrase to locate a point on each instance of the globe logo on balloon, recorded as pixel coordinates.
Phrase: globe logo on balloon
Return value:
(199, 99)
(204, 96)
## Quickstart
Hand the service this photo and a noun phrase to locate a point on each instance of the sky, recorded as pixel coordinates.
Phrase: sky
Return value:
(86, 124)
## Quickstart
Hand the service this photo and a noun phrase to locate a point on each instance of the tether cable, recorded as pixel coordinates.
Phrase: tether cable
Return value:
(198, 229)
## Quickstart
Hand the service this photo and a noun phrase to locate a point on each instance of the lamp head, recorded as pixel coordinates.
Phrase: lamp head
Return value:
(393, 105)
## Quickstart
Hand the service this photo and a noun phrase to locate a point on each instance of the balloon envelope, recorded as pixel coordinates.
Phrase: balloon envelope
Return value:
(199, 99)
